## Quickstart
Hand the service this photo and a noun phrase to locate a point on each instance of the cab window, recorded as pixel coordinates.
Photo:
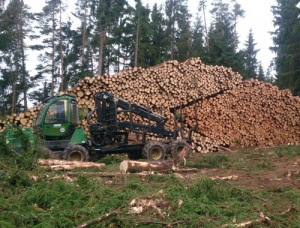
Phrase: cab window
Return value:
(74, 113)
(57, 113)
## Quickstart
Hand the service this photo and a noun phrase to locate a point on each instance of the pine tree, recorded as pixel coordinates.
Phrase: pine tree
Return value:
(251, 65)
(105, 15)
(78, 52)
(38, 96)
(286, 39)
(14, 30)
(48, 24)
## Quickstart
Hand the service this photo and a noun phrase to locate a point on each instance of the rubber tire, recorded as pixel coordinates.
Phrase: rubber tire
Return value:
(176, 146)
(156, 147)
(49, 153)
(75, 153)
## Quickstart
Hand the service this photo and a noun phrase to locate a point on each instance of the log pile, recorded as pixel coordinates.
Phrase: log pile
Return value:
(231, 112)
(25, 119)
(253, 114)
(163, 86)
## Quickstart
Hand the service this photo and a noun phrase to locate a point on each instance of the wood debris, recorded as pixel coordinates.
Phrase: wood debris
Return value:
(262, 219)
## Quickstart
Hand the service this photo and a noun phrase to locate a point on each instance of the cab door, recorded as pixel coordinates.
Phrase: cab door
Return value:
(56, 122)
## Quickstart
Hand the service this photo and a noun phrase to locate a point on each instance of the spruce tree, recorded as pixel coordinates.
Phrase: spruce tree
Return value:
(198, 48)
(222, 36)
(261, 74)
(178, 29)
(158, 36)
(251, 65)
(141, 22)
(286, 39)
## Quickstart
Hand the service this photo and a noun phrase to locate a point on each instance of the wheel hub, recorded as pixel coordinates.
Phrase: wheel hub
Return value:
(156, 153)
(76, 156)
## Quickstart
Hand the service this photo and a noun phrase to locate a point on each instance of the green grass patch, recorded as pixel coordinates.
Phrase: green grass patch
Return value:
(265, 165)
(205, 161)
(290, 151)
(52, 200)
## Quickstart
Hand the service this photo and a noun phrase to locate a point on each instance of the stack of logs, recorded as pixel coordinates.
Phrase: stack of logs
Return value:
(254, 113)
(230, 112)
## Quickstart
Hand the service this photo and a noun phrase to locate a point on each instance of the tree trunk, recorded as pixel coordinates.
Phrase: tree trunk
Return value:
(52, 55)
(101, 50)
(61, 52)
(83, 33)
(205, 25)
(136, 52)
(23, 67)
(13, 105)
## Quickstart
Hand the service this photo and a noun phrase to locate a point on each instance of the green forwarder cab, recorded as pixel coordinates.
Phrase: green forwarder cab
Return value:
(57, 126)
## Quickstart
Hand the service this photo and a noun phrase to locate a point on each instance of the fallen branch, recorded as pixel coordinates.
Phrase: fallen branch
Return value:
(262, 219)
(101, 218)
(160, 212)
(289, 210)
(167, 224)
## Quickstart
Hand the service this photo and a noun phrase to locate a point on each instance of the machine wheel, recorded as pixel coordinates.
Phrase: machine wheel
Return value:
(49, 153)
(75, 153)
(177, 146)
(154, 151)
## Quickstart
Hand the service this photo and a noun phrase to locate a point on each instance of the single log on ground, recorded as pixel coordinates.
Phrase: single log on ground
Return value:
(68, 165)
(139, 166)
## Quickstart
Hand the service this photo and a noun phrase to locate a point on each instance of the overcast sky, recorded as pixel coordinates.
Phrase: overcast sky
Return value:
(258, 17)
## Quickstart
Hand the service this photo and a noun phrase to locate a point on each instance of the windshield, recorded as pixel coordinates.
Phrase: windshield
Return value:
(57, 113)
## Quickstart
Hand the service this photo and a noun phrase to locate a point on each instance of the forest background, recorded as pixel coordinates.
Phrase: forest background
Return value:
(107, 36)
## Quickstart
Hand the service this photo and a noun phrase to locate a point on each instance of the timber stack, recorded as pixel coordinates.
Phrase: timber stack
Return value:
(231, 112)
(254, 113)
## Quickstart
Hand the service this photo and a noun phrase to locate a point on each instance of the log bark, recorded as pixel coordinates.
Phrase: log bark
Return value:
(68, 165)
(139, 166)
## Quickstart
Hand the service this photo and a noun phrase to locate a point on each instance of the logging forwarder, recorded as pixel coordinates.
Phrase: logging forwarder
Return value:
(109, 125)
